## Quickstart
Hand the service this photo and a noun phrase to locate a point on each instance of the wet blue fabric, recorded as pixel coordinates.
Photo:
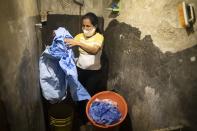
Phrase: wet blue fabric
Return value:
(104, 113)
(58, 71)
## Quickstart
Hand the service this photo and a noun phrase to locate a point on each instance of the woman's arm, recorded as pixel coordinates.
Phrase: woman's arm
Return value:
(92, 49)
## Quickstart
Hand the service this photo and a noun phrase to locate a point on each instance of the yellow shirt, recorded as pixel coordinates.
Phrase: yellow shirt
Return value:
(86, 60)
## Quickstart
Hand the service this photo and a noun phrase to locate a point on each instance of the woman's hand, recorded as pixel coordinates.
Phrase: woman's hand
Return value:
(92, 49)
(71, 42)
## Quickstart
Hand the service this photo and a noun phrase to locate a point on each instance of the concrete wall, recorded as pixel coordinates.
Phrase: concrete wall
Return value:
(152, 63)
(71, 8)
(158, 19)
(160, 89)
(21, 108)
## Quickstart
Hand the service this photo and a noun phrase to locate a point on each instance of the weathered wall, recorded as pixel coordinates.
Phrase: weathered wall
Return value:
(152, 63)
(19, 52)
(158, 19)
(160, 88)
(71, 8)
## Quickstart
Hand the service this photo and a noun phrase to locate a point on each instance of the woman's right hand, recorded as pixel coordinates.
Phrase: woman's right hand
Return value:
(71, 42)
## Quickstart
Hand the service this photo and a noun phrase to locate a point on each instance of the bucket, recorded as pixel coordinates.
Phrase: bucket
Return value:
(122, 106)
(61, 117)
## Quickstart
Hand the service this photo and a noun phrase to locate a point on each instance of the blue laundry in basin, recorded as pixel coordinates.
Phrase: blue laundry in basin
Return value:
(104, 113)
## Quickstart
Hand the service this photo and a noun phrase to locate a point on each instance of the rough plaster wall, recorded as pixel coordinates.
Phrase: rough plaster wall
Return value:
(19, 52)
(160, 89)
(71, 8)
(155, 73)
(158, 19)
(59, 6)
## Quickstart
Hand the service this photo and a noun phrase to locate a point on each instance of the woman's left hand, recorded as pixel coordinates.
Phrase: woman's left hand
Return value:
(71, 42)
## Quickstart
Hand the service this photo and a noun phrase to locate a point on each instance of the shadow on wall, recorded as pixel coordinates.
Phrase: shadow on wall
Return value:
(4, 125)
(160, 88)
(19, 103)
(3, 118)
(127, 124)
(27, 83)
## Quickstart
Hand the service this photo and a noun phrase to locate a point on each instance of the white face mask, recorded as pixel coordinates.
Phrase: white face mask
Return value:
(89, 33)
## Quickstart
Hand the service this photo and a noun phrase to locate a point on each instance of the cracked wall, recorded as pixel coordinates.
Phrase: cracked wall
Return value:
(20, 47)
(160, 88)
(158, 19)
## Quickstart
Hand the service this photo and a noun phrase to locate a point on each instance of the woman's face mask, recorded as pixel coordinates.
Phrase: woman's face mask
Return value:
(89, 33)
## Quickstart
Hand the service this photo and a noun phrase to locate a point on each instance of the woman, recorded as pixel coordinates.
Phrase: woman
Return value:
(90, 44)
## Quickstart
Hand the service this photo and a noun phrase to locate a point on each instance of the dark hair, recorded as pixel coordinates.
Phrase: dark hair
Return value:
(93, 19)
